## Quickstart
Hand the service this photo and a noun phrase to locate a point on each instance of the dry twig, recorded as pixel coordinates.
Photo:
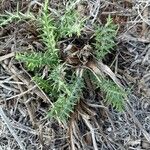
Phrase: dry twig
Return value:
(7, 122)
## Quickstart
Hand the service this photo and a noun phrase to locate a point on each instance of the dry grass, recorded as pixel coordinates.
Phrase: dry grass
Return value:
(23, 105)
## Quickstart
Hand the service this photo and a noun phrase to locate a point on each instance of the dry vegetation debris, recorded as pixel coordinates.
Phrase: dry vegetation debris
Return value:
(23, 105)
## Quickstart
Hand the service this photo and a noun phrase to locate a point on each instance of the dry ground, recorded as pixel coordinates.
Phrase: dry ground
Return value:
(23, 105)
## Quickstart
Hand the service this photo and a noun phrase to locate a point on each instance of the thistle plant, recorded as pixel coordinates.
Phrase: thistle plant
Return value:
(66, 101)
(71, 23)
(113, 94)
(104, 37)
(64, 84)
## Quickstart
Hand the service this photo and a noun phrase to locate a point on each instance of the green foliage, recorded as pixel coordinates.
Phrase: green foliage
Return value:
(65, 102)
(34, 60)
(44, 84)
(71, 24)
(58, 80)
(48, 35)
(113, 94)
(50, 56)
(65, 93)
(104, 37)
(16, 16)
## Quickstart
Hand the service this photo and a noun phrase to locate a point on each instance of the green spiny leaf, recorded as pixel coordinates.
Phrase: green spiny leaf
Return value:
(113, 94)
(43, 84)
(104, 37)
(71, 23)
(65, 103)
(35, 60)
